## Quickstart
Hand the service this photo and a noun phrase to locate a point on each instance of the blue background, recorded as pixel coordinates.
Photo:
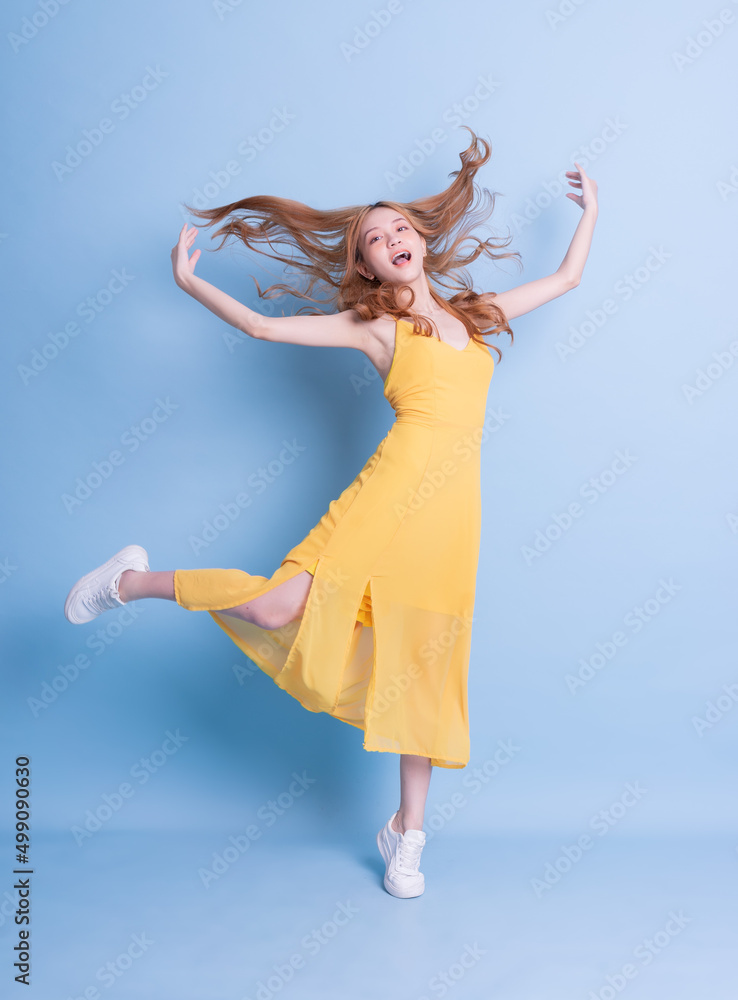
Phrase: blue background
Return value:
(586, 82)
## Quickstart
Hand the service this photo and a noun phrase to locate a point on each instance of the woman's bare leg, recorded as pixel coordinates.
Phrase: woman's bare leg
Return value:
(134, 584)
(282, 604)
(415, 775)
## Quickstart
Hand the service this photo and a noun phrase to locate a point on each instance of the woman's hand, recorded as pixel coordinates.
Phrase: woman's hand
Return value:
(588, 197)
(182, 265)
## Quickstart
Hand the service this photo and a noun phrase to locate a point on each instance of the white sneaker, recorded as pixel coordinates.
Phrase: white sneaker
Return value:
(401, 854)
(98, 591)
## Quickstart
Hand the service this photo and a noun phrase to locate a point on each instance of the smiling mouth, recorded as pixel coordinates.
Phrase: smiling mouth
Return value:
(403, 257)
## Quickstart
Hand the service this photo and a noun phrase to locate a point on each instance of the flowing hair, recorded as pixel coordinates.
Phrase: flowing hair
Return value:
(327, 247)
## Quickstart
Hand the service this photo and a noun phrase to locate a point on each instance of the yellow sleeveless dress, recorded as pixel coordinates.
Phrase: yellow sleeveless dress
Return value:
(384, 641)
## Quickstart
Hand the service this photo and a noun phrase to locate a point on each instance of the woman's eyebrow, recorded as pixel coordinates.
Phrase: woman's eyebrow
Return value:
(399, 219)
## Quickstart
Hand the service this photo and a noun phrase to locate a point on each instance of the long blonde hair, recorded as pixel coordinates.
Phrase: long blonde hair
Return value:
(327, 242)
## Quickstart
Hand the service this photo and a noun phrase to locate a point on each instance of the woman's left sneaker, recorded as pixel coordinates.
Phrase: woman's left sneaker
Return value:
(401, 855)
(98, 591)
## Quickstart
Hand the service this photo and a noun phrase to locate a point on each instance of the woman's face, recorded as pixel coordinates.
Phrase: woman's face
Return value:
(391, 249)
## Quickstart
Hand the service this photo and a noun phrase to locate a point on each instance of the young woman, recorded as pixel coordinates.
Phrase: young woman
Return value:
(369, 617)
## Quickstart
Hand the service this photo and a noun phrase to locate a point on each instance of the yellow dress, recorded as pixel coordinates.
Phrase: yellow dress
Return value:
(384, 641)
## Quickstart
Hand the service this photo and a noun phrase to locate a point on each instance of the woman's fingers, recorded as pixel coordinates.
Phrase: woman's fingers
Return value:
(588, 192)
(180, 257)
(183, 263)
(186, 237)
(576, 182)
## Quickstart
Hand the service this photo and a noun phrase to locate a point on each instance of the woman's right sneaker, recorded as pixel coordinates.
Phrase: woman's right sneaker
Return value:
(97, 591)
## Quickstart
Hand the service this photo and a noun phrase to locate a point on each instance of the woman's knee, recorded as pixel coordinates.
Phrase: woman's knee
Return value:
(267, 617)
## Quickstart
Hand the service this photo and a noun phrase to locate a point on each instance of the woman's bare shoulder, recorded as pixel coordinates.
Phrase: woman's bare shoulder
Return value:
(377, 332)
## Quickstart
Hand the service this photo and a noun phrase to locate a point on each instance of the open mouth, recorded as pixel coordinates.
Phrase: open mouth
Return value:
(403, 257)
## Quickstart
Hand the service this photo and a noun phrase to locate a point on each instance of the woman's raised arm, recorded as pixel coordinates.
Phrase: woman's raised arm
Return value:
(223, 305)
(343, 329)
(524, 298)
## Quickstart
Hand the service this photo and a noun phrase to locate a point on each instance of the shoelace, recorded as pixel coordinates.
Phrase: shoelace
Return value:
(100, 601)
(408, 856)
